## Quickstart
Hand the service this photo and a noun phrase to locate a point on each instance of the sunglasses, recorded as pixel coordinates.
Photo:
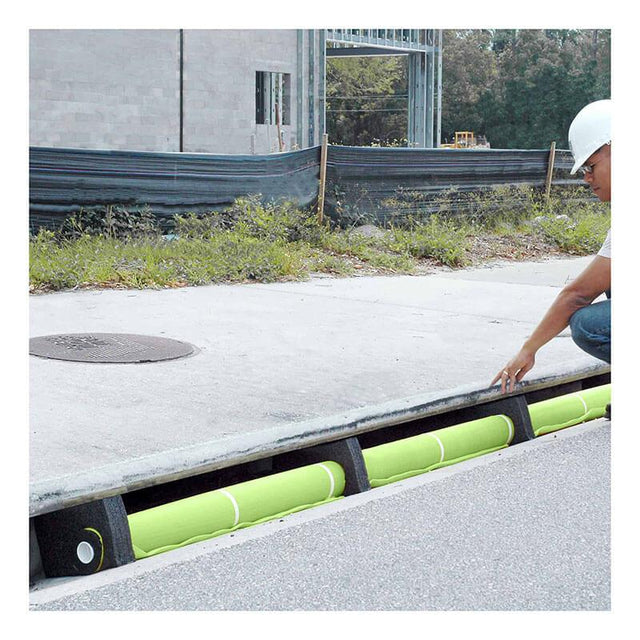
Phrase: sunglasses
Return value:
(586, 168)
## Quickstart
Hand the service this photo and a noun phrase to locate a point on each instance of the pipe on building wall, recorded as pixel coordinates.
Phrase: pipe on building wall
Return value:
(181, 74)
(300, 89)
(323, 76)
(312, 81)
(439, 105)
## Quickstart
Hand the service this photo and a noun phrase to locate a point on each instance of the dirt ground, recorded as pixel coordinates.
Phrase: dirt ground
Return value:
(485, 249)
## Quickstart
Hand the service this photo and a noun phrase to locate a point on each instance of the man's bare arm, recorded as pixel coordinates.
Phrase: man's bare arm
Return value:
(591, 283)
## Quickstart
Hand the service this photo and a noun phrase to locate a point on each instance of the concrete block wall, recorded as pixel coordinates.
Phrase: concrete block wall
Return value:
(220, 85)
(120, 89)
(104, 89)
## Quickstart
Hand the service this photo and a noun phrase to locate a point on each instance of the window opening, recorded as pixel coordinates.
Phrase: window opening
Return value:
(273, 98)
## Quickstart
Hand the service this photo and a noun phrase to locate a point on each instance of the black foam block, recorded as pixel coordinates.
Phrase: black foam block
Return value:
(84, 539)
(516, 408)
(347, 453)
(36, 572)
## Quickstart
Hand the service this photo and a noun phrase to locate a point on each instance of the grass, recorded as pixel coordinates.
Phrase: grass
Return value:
(141, 263)
(441, 240)
(271, 242)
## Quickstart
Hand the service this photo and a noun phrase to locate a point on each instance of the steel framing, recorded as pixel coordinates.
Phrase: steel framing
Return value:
(424, 48)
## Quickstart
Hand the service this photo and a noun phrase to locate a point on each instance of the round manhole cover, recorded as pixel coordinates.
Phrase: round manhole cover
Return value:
(108, 347)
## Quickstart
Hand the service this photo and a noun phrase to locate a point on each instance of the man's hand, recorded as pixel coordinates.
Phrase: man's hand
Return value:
(515, 370)
(594, 280)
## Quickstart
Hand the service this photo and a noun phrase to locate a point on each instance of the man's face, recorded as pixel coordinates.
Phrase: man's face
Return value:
(599, 179)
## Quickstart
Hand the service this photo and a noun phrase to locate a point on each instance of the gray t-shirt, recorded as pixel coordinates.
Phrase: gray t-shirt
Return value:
(605, 250)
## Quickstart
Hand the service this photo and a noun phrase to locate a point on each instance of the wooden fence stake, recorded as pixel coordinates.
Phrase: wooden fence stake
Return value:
(552, 158)
(323, 176)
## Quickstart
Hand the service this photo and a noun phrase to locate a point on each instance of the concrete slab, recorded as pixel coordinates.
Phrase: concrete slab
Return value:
(272, 356)
(555, 272)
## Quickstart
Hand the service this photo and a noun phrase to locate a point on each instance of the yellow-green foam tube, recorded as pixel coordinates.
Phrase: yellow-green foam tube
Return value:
(402, 459)
(214, 513)
(568, 410)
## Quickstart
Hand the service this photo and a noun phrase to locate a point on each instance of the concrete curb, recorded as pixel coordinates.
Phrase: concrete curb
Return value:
(115, 479)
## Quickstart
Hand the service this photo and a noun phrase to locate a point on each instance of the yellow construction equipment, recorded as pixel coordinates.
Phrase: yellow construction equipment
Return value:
(467, 140)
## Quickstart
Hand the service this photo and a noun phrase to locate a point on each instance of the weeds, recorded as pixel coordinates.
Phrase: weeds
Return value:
(103, 261)
(579, 234)
(115, 221)
(442, 240)
(255, 241)
(249, 217)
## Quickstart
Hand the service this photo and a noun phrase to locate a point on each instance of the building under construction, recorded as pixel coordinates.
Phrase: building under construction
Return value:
(213, 91)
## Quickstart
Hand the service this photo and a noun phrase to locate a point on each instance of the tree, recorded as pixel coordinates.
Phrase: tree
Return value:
(540, 80)
(367, 100)
(519, 87)
(469, 71)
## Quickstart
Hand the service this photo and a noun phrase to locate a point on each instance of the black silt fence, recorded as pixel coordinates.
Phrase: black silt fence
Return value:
(65, 181)
(361, 182)
(376, 184)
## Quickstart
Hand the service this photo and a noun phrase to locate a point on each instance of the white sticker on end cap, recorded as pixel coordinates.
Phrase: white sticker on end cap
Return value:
(85, 552)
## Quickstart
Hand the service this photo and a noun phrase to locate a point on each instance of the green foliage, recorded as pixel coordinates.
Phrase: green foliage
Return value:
(496, 208)
(380, 252)
(367, 100)
(232, 256)
(250, 216)
(258, 242)
(441, 240)
(102, 261)
(519, 87)
(201, 226)
(491, 208)
(359, 208)
(114, 221)
(282, 221)
(581, 231)
(321, 261)
(469, 70)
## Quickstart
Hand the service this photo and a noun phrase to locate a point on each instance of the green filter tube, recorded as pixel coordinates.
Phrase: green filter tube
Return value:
(402, 459)
(568, 410)
(214, 513)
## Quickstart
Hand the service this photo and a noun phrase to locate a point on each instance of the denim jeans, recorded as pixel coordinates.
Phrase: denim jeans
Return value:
(591, 329)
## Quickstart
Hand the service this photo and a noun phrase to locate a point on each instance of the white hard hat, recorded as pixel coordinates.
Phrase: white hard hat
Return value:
(590, 130)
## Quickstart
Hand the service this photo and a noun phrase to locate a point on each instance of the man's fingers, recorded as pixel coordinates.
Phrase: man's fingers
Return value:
(508, 379)
(512, 373)
(505, 380)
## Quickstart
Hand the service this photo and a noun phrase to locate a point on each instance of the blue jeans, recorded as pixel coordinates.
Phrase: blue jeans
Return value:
(591, 329)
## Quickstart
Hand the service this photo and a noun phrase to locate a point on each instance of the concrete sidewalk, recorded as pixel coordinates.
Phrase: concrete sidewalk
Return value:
(272, 356)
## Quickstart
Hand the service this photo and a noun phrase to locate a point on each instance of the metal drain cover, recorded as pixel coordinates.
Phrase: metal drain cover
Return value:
(108, 347)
